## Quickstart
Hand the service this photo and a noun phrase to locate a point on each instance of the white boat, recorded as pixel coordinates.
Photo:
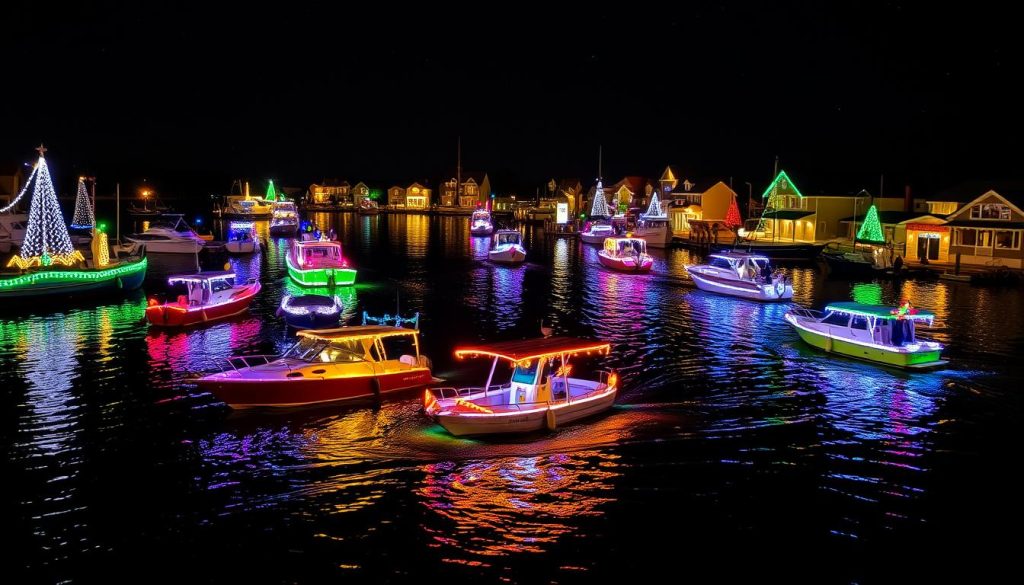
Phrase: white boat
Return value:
(285, 220)
(596, 233)
(507, 247)
(539, 395)
(242, 238)
(744, 275)
(653, 226)
(886, 335)
(169, 235)
(12, 230)
(480, 223)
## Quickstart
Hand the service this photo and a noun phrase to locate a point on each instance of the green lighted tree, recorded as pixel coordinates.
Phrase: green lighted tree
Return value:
(871, 230)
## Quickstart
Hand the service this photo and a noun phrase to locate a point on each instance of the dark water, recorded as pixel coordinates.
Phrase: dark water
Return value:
(733, 449)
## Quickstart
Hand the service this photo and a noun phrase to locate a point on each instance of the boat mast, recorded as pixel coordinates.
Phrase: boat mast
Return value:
(458, 172)
(117, 221)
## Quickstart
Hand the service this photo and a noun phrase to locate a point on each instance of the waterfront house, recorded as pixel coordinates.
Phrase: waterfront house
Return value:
(330, 191)
(987, 231)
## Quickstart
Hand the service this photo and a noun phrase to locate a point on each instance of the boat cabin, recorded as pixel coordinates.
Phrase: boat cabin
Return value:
(508, 238)
(877, 324)
(625, 247)
(241, 231)
(202, 288)
(318, 254)
(394, 346)
(481, 215)
(746, 266)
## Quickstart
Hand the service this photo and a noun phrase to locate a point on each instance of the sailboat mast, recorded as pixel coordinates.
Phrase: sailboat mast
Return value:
(458, 172)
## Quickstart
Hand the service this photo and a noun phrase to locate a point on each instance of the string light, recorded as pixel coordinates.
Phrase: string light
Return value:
(600, 206)
(47, 235)
(871, 229)
(654, 210)
(271, 193)
(732, 217)
(64, 276)
(83, 209)
(24, 190)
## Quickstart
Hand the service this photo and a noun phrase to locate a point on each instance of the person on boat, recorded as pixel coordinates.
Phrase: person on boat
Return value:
(897, 264)
(766, 273)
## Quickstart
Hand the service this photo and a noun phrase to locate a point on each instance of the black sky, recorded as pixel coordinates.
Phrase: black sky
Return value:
(190, 98)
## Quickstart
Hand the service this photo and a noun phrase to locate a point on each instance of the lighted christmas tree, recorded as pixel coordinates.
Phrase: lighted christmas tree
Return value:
(83, 208)
(600, 205)
(777, 192)
(46, 239)
(271, 193)
(654, 209)
(732, 217)
(871, 230)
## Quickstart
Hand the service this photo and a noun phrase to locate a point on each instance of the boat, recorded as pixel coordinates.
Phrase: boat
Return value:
(596, 232)
(324, 366)
(848, 264)
(368, 207)
(242, 205)
(876, 333)
(169, 235)
(540, 394)
(480, 223)
(626, 254)
(507, 247)
(310, 311)
(319, 263)
(211, 296)
(116, 276)
(739, 274)
(653, 226)
(12, 230)
(242, 238)
(285, 219)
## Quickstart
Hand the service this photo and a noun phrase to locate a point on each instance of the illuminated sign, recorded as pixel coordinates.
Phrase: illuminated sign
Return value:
(561, 213)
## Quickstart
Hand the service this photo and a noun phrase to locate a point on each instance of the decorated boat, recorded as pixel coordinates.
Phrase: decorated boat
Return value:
(480, 223)
(245, 206)
(881, 334)
(653, 226)
(48, 264)
(738, 274)
(285, 220)
(368, 207)
(242, 238)
(319, 263)
(599, 227)
(507, 247)
(327, 365)
(540, 394)
(310, 311)
(625, 254)
(169, 235)
(210, 296)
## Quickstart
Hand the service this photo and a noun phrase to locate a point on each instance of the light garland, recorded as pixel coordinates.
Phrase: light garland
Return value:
(56, 276)
(271, 193)
(47, 235)
(654, 209)
(600, 206)
(47, 260)
(24, 190)
(871, 229)
(83, 209)
(732, 217)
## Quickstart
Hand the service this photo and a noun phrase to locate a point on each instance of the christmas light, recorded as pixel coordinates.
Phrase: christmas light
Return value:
(600, 206)
(271, 194)
(66, 276)
(23, 191)
(732, 217)
(83, 209)
(47, 235)
(781, 186)
(654, 210)
(47, 260)
(871, 230)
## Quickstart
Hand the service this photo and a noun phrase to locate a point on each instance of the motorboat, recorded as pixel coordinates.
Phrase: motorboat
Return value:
(210, 296)
(169, 235)
(368, 207)
(246, 207)
(507, 247)
(876, 333)
(324, 366)
(242, 238)
(626, 254)
(596, 232)
(654, 226)
(319, 263)
(540, 394)
(480, 223)
(739, 274)
(310, 311)
(285, 219)
(12, 230)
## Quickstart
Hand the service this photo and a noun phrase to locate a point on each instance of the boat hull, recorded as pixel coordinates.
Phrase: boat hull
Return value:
(290, 392)
(126, 277)
(481, 231)
(321, 276)
(738, 288)
(626, 264)
(877, 354)
(175, 315)
(525, 422)
(512, 255)
(656, 237)
(247, 247)
(588, 238)
(284, 229)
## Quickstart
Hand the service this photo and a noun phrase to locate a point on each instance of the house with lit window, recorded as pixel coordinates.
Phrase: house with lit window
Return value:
(570, 191)
(396, 196)
(330, 191)
(475, 189)
(987, 232)
(693, 200)
(630, 192)
(417, 197)
(360, 192)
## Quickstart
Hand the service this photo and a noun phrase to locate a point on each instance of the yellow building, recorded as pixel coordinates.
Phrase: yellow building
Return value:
(709, 205)
(417, 197)
(330, 191)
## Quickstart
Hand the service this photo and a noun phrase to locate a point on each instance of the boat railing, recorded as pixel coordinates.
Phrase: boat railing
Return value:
(247, 361)
(451, 392)
(808, 313)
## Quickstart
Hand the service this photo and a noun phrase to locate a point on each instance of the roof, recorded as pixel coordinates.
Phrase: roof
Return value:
(891, 217)
(357, 332)
(208, 275)
(989, 223)
(528, 349)
(970, 190)
(787, 214)
(881, 311)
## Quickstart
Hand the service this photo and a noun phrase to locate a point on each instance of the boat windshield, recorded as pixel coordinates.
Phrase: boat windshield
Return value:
(309, 349)
(508, 238)
(526, 374)
(632, 247)
(481, 216)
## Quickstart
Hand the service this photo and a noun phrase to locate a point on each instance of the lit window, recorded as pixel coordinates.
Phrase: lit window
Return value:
(1007, 240)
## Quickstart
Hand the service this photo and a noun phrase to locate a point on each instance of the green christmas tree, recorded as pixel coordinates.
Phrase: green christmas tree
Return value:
(871, 230)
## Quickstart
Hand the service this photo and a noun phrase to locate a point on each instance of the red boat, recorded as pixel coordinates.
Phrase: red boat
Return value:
(625, 255)
(326, 365)
(211, 296)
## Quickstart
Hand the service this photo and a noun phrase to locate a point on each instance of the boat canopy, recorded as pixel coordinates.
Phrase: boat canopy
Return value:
(481, 214)
(357, 332)
(200, 277)
(507, 237)
(530, 349)
(737, 256)
(625, 245)
(879, 311)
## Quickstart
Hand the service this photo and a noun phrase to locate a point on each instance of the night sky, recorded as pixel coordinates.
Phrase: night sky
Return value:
(190, 99)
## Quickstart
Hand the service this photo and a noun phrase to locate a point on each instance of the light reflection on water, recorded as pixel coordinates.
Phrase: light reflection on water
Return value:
(720, 401)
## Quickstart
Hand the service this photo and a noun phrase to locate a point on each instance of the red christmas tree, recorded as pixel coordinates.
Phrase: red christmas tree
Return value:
(732, 217)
